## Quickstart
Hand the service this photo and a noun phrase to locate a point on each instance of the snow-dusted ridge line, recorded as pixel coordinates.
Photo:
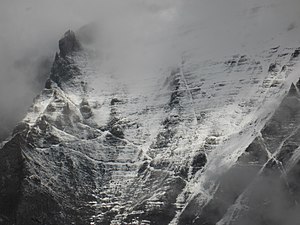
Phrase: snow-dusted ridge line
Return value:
(124, 152)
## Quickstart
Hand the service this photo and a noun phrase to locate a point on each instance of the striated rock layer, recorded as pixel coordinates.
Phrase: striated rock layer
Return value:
(196, 144)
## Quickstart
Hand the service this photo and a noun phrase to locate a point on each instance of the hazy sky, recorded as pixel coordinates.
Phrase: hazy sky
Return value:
(163, 29)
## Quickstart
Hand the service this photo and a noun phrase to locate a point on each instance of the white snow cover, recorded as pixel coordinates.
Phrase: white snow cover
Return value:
(225, 101)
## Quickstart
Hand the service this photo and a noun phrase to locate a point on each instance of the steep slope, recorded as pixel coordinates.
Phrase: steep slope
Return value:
(272, 194)
(159, 149)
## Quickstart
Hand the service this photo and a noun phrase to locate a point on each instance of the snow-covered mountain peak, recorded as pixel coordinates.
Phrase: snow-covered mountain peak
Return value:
(172, 120)
(143, 148)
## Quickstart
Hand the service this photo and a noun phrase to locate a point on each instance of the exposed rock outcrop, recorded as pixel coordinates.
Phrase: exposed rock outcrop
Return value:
(69, 44)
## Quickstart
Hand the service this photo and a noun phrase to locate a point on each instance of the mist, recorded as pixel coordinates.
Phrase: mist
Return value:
(138, 35)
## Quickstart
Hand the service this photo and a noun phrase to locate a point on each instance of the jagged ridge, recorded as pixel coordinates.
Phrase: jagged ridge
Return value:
(95, 149)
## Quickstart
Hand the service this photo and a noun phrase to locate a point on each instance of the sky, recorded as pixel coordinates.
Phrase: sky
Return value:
(147, 33)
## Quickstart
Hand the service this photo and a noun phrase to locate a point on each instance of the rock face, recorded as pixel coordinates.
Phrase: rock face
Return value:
(264, 179)
(193, 146)
(68, 44)
(63, 67)
(275, 155)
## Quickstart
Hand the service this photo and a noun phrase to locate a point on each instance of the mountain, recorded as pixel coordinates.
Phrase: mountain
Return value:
(205, 142)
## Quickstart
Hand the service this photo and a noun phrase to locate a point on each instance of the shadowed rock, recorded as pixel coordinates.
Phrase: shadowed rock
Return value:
(69, 44)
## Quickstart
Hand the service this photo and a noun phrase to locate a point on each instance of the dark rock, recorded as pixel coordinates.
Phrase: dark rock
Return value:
(85, 109)
(295, 54)
(255, 153)
(112, 140)
(199, 162)
(66, 109)
(298, 84)
(12, 173)
(273, 68)
(42, 123)
(68, 44)
(275, 49)
(35, 179)
(172, 120)
(231, 63)
(48, 84)
(163, 138)
(283, 69)
(117, 131)
(63, 69)
(143, 167)
(163, 164)
(293, 90)
(21, 127)
(174, 86)
(51, 108)
(243, 60)
(114, 101)
(183, 172)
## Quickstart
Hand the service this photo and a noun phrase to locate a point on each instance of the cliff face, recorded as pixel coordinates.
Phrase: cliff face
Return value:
(263, 185)
(272, 195)
(197, 144)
